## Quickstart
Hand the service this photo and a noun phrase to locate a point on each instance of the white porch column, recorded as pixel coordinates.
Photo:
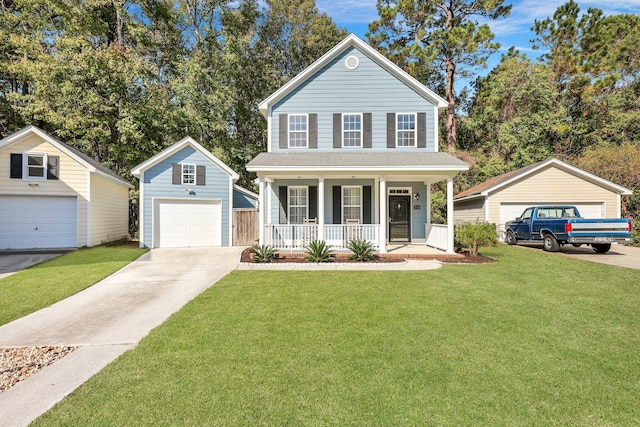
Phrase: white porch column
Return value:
(321, 208)
(261, 208)
(382, 238)
(267, 196)
(450, 229)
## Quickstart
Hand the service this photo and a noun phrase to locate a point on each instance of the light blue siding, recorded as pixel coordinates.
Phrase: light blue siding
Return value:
(158, 184)
(243, 201)
(367, 89)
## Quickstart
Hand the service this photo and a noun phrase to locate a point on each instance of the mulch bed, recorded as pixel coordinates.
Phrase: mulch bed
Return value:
(459, 258)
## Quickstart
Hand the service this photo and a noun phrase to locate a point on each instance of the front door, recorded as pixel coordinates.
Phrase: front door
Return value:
(400, 218)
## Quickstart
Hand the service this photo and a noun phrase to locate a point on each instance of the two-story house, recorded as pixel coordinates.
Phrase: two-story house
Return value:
(352, 153)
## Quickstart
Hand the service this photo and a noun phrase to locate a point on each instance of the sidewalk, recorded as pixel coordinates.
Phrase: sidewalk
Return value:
(106, 320)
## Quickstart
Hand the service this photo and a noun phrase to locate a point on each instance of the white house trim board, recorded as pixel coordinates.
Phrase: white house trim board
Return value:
(230, 213)
(351, 41)
(244, 191)
(167, 152)
(141, 212)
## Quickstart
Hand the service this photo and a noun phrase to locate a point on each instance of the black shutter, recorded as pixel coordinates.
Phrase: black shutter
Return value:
(284, 131)
(422, 130)
(201, 175)
(283, 195)
(313, 202)
(53, 167)
(16, 166)
(176, 174)
(337, 130)
(313, 131)
(337, 204)
(366, 204)
(391, 130)
(366, 130)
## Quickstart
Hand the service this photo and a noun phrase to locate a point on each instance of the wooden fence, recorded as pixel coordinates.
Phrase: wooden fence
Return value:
(245, 227)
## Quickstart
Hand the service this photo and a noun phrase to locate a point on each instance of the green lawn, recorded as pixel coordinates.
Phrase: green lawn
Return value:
(51, 281)
(535, 339)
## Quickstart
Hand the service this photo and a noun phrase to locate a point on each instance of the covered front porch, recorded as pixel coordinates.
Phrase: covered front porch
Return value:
(383, 198)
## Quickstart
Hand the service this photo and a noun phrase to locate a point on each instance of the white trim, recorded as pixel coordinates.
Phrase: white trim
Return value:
(231, 225)
(261, 194)
(141, 212)
(361, 131)
(436, 135)
(450, 225)
(342, 205)
(246, 192)
(195, 169)
(562, 166)
(154, 200)
(406, 192)
(372, 170)
(269, 129)
(351, 58)
(321, 219)
(415, 129)
(88, 203)
(384, 219)
(167, 152)
(25, 166)
(306, 132)
(352, 41)
(289, 187)
(25, 132)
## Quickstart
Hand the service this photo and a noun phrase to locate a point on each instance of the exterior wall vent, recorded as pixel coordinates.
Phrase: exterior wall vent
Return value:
(351, 62)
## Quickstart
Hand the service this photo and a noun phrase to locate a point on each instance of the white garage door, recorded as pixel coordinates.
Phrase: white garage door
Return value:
(187, 223)
(38, 222)
(510, 211)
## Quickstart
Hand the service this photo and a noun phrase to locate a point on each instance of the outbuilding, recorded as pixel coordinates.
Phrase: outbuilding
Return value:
(53, 196)
(551, 182)
(187, 197)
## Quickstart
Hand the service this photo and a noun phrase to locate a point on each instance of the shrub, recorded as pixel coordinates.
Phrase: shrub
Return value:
(361, 250)
(263, 253)
(318, 251)
(635, 233)
(473, 236)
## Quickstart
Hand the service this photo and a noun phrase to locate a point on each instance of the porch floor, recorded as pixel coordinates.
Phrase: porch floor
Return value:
(413, 249)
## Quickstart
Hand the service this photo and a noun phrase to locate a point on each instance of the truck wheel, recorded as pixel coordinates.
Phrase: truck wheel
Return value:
(511, 238)
(601, 248)
(550, 244)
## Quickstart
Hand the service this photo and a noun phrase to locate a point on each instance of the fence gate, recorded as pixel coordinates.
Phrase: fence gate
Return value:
(245, 227)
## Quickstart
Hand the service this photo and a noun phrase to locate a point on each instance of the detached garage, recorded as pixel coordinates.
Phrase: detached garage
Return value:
(552, 182)
(186, 198)
(53, 196)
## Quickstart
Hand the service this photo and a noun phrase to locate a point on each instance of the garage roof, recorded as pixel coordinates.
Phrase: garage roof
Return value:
(497, 182)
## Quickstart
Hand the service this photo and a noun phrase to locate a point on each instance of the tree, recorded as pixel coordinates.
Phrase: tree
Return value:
(443, 32)
(516, 113)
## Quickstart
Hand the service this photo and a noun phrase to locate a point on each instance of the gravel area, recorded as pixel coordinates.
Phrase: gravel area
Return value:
(18, 364)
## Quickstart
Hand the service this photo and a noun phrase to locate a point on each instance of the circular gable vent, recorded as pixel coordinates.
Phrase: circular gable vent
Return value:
(352, 62)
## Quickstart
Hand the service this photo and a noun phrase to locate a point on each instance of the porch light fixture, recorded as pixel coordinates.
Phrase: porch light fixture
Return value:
(31, 184)
(190, 191)
(416, 196)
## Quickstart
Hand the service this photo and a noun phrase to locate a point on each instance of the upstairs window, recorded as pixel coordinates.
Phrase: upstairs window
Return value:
(188, 174)
(298, 204)
(35, 166)
(406, 130)
(298, 130)
(352, 130)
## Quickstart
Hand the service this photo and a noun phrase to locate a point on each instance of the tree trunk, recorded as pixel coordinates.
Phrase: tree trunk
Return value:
(451, 107)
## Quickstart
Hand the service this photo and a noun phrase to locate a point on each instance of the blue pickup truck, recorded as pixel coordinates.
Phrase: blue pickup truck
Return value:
(555, 226)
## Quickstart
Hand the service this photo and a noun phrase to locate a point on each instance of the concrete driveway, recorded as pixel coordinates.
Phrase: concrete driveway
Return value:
(106, 320)
(12, 261)
(619, 255)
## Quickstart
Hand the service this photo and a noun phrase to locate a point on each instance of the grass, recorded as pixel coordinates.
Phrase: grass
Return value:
(535, 339)
(51, 281)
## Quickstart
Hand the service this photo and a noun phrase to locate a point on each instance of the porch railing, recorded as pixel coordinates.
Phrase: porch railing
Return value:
(436, 235)
(338, 236)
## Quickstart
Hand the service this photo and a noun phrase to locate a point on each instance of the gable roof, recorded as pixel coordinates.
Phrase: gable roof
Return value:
(246, 192)
(169, 151)
(497, 182)
(91, 164)
(352, 41)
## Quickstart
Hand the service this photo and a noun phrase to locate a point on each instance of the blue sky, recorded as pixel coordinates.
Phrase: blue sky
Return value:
(515, 30)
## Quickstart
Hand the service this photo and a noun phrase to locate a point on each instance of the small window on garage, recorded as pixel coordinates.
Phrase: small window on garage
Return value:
(188, 173)
(35, 166)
